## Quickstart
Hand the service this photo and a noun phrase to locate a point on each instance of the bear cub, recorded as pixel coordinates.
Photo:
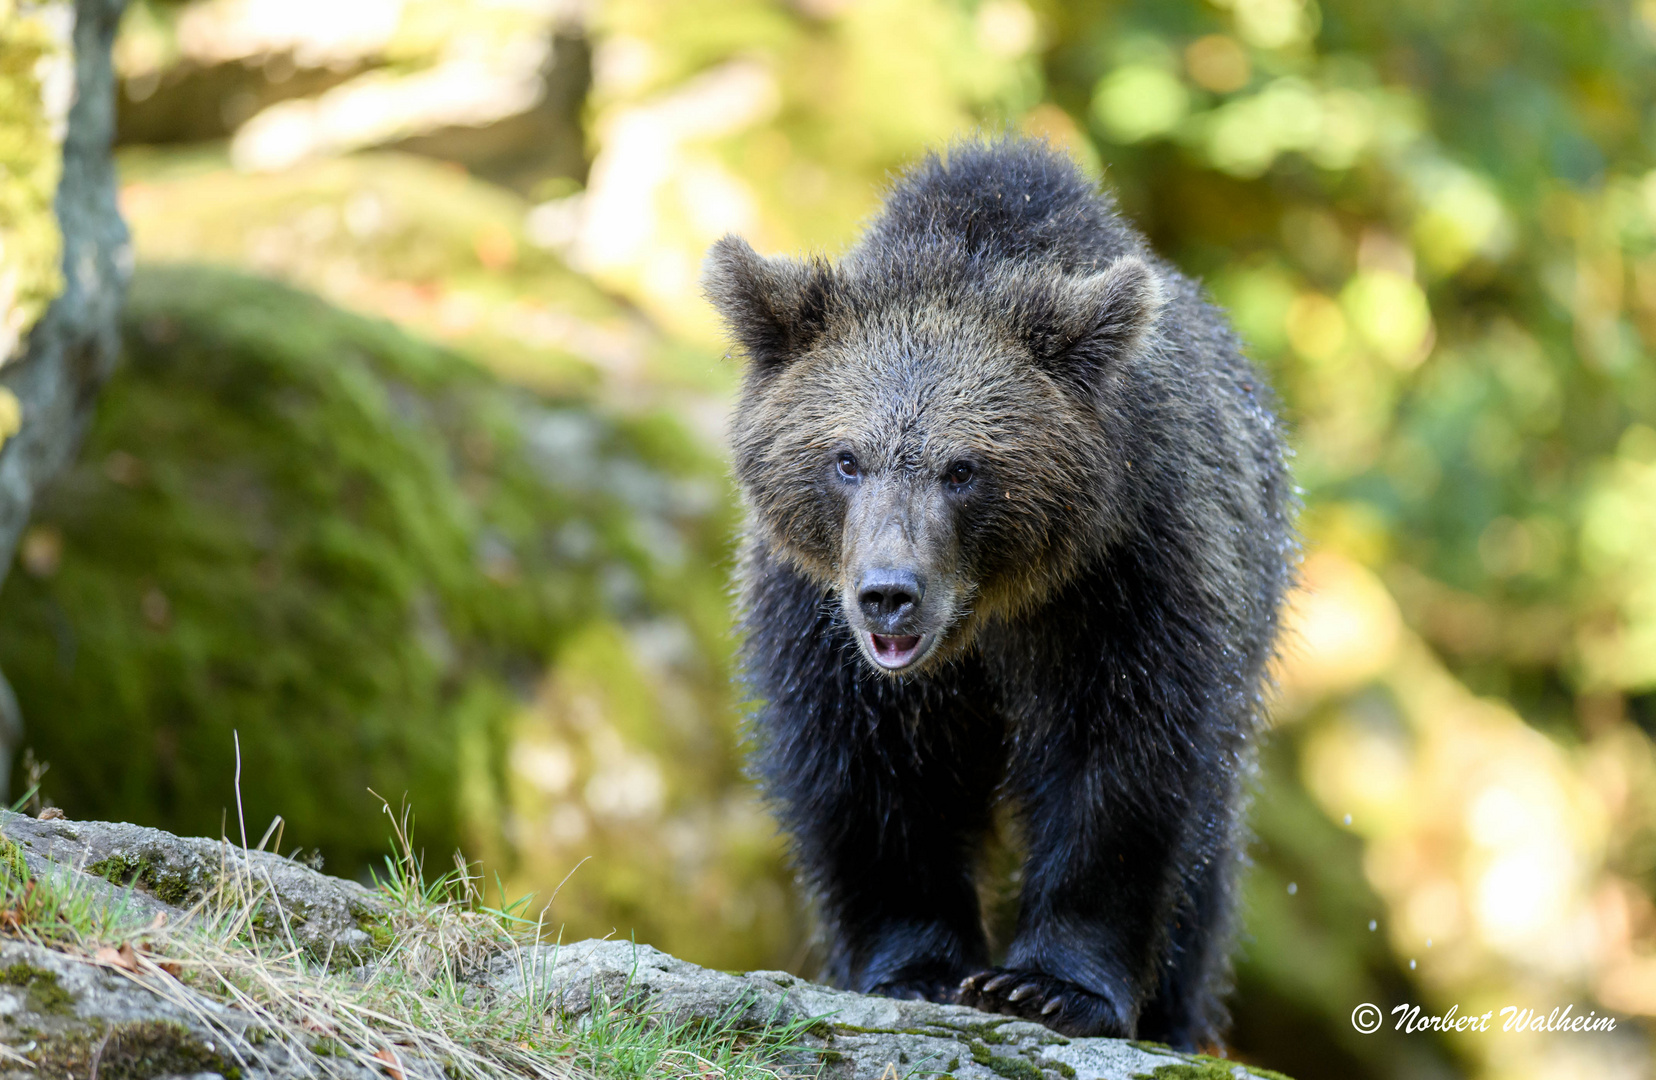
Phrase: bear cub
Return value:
(1018, 531)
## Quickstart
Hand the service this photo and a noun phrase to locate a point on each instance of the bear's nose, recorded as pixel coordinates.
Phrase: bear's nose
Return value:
(889, 598)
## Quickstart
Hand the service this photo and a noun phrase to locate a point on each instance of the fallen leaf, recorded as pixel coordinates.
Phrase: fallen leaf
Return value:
(123, 957)
(390, 1059)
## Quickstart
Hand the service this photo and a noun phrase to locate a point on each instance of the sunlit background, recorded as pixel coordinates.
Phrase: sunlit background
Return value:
(478, 555)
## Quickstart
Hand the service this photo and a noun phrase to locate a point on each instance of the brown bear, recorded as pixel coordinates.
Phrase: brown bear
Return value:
(1018, 531)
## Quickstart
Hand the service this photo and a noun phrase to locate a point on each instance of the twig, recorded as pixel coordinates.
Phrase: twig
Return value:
(8, 1054)
(97, 1055)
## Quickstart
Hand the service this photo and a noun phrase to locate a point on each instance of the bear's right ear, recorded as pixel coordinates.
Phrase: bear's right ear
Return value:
(775, 308)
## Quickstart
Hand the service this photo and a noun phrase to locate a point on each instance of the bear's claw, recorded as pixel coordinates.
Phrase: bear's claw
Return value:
(1022, 992)
(1032, 995)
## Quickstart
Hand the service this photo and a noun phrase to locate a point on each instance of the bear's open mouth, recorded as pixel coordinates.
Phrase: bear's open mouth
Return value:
(894, 652)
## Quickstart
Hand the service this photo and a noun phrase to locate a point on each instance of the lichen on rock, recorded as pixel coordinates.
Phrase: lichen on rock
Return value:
(36, 90)
(851, 1036)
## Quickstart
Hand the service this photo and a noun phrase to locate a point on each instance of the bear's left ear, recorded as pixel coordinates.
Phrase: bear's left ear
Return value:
(1082, 326)
(775, 308)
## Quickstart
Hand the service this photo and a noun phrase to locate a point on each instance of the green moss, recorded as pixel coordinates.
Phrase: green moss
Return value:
(31, 161)
(46, 995)
(1009, 1067)
(12, 863)
(136, 871)
(829, 1057)
(174, 889)
(131, 1051)
(116, 869)
(157, 1048)
(857, 1029)
(1184, 1070)
(1064, 1070)
(1204, 1067)
(325, 1047)
(310, 528)
(381, 935)
(986, 1031)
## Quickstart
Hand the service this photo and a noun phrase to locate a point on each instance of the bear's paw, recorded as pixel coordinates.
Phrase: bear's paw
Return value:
(1061, 1005)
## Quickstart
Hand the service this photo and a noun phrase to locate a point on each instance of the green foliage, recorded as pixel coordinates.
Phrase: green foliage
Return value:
(1308, 956)
(444, 254)
(1435, 224)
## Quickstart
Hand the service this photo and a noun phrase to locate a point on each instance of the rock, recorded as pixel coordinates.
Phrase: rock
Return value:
(160, 872)
(50, 379)
(855, 1036)
(60, 1012)
(65, 1016)
(118, 904)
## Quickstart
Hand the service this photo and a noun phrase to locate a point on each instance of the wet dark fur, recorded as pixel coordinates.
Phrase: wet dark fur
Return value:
(1105, 591)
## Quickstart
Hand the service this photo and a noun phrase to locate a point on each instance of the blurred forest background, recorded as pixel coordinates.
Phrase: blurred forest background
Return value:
(412, 474)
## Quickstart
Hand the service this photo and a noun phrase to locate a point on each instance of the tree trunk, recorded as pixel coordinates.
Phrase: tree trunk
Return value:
(64, 255)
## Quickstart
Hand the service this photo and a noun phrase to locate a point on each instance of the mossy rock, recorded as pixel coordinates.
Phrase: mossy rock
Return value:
(353, 550)
(45, 994)
(135, 1050)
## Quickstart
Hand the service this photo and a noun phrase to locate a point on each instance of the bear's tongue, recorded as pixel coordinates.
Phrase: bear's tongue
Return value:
(894, 650)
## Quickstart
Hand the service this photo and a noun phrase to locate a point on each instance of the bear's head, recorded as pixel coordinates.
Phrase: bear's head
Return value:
(933, 444)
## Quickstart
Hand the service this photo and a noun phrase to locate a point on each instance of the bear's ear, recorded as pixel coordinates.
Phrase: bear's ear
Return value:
(775, 308)
(1081, 327)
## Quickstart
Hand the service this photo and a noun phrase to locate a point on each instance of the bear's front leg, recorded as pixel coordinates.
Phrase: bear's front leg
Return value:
(1100, 887)
(887, 809)
(884, 787)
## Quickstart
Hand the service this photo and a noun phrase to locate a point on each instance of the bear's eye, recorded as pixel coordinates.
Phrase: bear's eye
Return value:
(847, 465)
(960, 474)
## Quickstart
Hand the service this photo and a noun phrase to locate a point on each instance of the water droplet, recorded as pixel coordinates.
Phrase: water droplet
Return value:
(1373, 925)
(1428, 943)
(1411, 965)
(1293, 887)
(1348, 819)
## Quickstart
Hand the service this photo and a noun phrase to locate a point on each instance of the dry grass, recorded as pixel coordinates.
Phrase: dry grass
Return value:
(415, 1008)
